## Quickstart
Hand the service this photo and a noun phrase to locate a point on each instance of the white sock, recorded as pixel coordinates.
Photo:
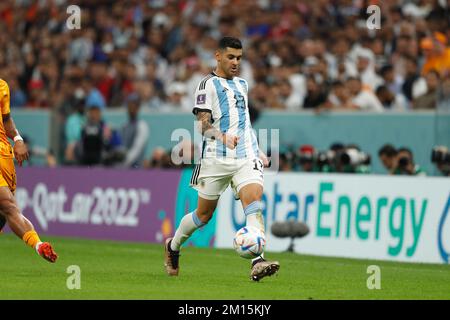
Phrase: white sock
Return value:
(188, 225)
(37, 247)
(254, 218)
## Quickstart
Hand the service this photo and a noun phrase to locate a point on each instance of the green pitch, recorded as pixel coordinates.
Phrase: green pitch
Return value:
(117, 270)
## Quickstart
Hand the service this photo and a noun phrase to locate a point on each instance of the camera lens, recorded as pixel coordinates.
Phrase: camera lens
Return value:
(345, 159)
(403, 162)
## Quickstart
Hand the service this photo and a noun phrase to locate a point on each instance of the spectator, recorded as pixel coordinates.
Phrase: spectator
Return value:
(363, 98)
(287, 97)
(283, 40)
(93, 95)
(315, 94)
(37, 94)
(134, 134)
(18, 97)
(414, 85)
(437, 54)
(150, 100)
(338, 98)
(429, 99)
(177, 98)
(73, 126)
(390, 80)
(366, 69)
(391, 101)
(96, 138)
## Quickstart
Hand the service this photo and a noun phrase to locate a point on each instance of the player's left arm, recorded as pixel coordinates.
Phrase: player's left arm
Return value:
(20, 149)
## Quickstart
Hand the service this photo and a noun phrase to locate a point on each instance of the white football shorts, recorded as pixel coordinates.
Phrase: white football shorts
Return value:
(213, 175)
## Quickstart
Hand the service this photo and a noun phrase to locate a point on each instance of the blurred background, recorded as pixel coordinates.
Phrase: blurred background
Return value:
(345, 98)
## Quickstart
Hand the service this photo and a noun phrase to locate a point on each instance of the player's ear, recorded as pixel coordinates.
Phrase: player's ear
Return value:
(218, 54)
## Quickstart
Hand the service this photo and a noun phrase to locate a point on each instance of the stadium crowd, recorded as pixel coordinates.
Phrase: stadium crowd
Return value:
(160, 49)
(298, 55)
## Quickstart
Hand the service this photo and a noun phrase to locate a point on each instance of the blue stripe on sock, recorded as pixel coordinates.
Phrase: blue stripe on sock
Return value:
(197, 221)
(253, 207)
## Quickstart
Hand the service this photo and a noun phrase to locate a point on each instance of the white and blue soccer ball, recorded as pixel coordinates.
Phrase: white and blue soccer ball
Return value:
(249, 242)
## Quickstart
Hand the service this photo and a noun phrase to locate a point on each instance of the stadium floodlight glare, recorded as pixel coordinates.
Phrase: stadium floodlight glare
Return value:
(290, 229)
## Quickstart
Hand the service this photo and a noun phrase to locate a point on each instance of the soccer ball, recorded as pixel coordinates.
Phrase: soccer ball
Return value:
(249, 242)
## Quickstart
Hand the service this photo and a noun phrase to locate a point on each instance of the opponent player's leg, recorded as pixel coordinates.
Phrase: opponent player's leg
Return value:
(188, 224)
(21, 226)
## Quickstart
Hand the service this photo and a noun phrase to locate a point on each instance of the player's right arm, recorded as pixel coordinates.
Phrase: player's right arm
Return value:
(204, 96)
(208, 131)
(20, 149)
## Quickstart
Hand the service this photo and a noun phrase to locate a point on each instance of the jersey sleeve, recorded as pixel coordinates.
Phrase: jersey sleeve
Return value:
(203, 97)
(4, 97)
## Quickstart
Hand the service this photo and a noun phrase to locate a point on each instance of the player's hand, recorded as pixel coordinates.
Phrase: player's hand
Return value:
(20, 152)
(265, 160)
(230, 141)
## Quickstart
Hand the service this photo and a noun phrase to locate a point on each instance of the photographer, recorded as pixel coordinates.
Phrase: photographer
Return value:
(307, 158)
(406, 165)
(326, 161)
(388, 156)
(343, 159)
(440, 155)
(288, 159)
(353, 160)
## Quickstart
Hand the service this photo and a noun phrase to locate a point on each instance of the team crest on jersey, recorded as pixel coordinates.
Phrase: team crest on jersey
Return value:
(201, 99)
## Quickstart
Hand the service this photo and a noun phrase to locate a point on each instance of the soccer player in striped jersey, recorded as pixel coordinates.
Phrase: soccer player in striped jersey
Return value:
(9, 211)
(230, 155)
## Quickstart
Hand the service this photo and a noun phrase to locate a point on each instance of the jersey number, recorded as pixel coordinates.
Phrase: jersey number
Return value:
(240, 101)
(258, 165)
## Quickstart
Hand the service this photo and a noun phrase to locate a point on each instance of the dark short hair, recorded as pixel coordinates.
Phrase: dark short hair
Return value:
(336, 146)
(337, 83)
(230, 42)
(355, 78)
(407, 150)
(381, 89)
(435, 72)
(410, 58)
(385, 69)
(388, 150)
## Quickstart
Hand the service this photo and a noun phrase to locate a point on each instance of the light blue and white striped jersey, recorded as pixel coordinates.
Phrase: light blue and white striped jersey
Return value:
(227, 101)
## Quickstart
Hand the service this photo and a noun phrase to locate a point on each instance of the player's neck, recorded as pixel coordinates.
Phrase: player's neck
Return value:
(219, 72)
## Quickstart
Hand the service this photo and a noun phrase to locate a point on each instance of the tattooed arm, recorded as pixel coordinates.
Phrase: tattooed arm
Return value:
(209, 131)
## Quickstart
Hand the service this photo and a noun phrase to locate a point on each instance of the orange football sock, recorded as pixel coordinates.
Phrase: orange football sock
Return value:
(31, 238)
